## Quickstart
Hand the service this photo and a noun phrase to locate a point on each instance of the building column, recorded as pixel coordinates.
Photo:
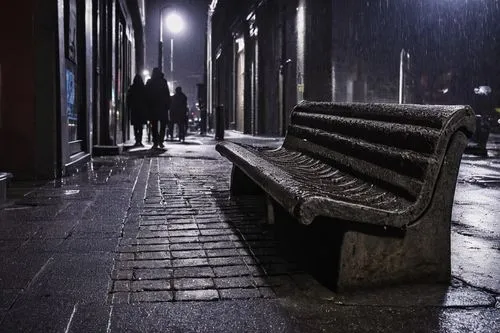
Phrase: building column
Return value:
(247, 99)
(317, 50)
(48, 145)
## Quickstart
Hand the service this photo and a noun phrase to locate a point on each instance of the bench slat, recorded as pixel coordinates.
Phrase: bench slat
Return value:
(432, 116)
(330, 181)
(402, 161)
(409, 137)
(390, 180)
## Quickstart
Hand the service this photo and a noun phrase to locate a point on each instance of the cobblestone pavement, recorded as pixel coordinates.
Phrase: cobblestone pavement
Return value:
(150, 241)
(188, 241)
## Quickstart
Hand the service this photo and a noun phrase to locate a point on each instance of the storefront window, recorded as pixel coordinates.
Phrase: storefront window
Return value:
(72, 113)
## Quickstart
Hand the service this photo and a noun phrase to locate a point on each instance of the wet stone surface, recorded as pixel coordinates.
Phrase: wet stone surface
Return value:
(151, 242)
(190, 234)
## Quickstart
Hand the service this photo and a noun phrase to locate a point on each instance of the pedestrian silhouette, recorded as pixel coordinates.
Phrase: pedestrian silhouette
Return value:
(158, 96)
(136, 103)
(178, 112)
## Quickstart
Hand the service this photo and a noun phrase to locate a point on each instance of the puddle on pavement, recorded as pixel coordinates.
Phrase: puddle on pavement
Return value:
(484, 181)
(16, 207)
(71, 192)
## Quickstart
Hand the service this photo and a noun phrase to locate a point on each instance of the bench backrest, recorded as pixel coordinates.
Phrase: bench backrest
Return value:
(399, 147)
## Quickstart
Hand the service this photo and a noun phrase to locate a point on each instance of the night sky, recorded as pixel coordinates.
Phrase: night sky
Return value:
(189, 44)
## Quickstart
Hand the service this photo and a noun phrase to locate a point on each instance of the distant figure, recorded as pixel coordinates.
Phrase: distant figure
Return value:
(158, 96)
(136, 103)
(178, 111)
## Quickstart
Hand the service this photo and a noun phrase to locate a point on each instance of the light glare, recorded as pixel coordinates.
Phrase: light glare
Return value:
(175, 23)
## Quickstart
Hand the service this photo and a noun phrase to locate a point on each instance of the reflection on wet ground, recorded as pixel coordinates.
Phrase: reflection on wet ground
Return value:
(484, 172)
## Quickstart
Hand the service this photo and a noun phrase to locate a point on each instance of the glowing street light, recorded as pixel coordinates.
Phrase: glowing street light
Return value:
(175, 24)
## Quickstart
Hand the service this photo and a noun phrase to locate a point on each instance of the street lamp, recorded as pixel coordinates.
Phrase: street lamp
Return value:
(175, 24)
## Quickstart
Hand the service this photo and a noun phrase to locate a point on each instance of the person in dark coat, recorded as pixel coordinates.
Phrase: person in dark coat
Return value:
(136, 103)
(158, 96)
(178, 111)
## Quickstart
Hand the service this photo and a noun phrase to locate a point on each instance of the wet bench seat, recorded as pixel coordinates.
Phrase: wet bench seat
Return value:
(384, 173)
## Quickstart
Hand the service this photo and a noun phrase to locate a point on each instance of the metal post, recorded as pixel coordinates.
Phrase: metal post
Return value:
(160, 55)
(172, 62)
(219, 122)
(209, 84)
(160, 44)
(401, 76)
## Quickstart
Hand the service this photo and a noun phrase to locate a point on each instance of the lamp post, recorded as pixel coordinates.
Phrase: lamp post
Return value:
(175, 24)
(160, 44)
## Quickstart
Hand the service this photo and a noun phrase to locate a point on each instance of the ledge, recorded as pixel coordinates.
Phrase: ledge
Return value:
(98, 150)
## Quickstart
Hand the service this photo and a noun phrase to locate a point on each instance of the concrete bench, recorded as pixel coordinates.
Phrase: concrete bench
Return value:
(384, 173)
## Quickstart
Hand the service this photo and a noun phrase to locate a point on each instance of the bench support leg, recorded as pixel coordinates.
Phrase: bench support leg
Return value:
(421, 255)
(271, 214)
(241, 184)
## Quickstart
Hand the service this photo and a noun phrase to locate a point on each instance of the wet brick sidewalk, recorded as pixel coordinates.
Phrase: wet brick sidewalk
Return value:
(150, 241)
(190, 242)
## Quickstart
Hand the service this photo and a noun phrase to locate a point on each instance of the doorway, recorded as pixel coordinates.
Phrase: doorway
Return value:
(240, 84)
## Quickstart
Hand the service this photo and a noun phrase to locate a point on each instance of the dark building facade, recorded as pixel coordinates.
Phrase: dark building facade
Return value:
(65, 66)
(264, 56)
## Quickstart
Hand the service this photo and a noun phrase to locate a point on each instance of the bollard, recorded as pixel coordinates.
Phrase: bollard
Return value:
(4, 179)
(203, 120)
(477, 143)
(219, 122)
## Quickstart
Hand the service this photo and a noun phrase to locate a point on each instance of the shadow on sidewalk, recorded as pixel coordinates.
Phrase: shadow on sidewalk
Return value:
(145, 152)
(286, 248)
(311, 253)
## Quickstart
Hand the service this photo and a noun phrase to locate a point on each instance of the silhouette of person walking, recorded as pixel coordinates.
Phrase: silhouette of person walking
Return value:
(158, 96)
(178, 112)
(136, 103)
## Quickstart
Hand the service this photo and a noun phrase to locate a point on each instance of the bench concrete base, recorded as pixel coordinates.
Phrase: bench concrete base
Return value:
(422, 254)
